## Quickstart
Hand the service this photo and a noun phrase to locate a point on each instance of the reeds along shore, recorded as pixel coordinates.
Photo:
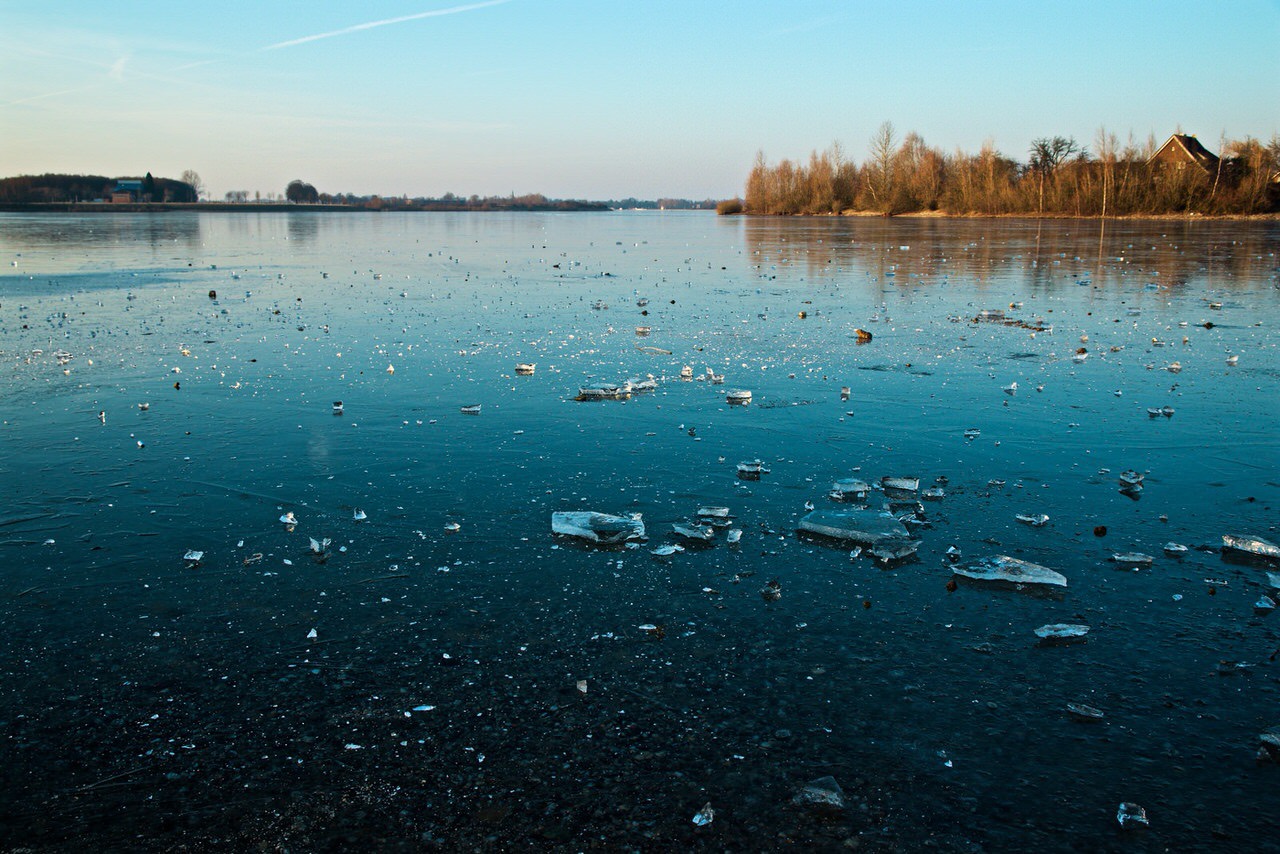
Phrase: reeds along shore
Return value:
(1059, 178)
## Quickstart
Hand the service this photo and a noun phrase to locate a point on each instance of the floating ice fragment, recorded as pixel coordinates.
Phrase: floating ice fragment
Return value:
(337, 407)
(359, 515)
(423, 708)
(667, 550)
(452, 527)
(1174, 367)
(1233, 360)
(751, 469)
(1082, 712)
(471, 409)
(526, 368)
(391, 369)
(1132, 560)
(891, 552)
(193, 556)
(289, 518)
(771, 592)
(714, 512)
(933, 493)
(1251, 545)
(1264, 605)
(1131, 479)
(686, 373)
(865, 527)
(1131, 816)
(738, 398)
(1036, 521)
(734, 535)
(850, 489)
(823, 796)
(319, 547)
(1011, 388)
(972, 433)
(704, 816)
(1175, 549)
(312, 635)
(697, 533)
(597, 527)
(1001, 568)
(582, 686)
(900, 484)
(1062, 633)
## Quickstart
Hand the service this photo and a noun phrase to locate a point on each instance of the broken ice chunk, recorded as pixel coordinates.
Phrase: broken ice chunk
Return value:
(1061, 633)
(1131, 816)
(1131, 479)
(751, 469)
(1132, 560)
(850, 489)
(289, 519)
(740, 397)
(359, 515)
(667, 550)
(597, 527)
(734, 535)
(526, 368)
(714, 512)
(1001, 568)
(900, 484)
(1082, 712)
(696, 533)
(1011, 388)
(1175, 549)
(823, 796)
(771, 592)
(1036, 521)
(704, 816)
(892, 552)
(193, 557)
(471, 409)
(1246, 544)
(319, 547)
(452, 527)
(865, 527)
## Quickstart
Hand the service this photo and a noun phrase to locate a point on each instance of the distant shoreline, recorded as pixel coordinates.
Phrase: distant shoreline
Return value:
(1185, 217)
(283, 207)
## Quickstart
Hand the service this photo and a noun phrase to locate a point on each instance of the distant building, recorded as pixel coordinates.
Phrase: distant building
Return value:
(125, 192)
(1184, 150)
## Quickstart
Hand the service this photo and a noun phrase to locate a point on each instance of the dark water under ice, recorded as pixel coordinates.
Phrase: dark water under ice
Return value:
(152, 704)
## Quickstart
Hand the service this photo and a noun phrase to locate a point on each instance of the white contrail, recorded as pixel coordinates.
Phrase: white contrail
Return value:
(453, 10)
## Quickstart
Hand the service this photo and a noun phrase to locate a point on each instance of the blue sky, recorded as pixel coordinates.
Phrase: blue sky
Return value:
(601, 98)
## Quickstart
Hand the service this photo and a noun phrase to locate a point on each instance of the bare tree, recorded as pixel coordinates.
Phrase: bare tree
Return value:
(1106, 145)
(883, 146)
(192, 179)
(1047, 155)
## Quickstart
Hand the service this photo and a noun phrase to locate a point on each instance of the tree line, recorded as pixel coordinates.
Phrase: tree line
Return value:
(54, 189)
(1060, 176)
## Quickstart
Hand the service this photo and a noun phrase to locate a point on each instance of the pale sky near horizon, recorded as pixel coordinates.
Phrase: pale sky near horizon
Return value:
(602, 99)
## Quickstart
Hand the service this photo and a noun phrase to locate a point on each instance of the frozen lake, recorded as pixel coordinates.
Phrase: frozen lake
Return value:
(450, 673)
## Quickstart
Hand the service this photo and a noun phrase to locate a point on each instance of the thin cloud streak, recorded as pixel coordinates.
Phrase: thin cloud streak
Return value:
(453, 10)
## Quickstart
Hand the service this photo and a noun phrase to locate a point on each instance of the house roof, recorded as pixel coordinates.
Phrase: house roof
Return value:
(1185, 148)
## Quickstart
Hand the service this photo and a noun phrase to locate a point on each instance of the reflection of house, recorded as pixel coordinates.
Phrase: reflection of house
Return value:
(1184, 150)
(126, 191)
